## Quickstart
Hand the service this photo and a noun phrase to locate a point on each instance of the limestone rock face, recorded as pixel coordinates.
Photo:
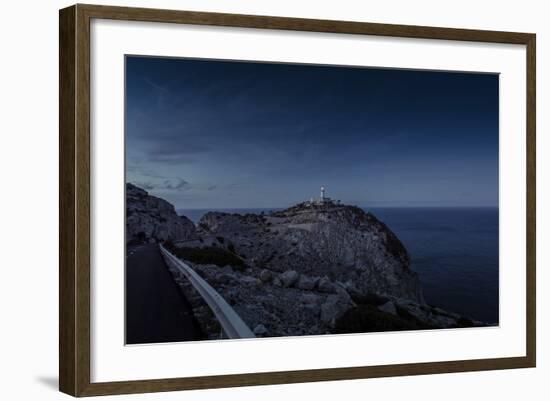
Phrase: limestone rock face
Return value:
(151, 219)
(336, 242)
(308, 270)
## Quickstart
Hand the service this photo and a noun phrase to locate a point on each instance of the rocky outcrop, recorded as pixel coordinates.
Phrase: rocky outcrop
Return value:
(335, 306)
(336, 242)
(271, 309)
(151, 219)
(308, 270)
(305, 267)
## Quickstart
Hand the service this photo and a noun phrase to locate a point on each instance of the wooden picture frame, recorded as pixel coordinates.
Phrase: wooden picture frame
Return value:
(74, 204)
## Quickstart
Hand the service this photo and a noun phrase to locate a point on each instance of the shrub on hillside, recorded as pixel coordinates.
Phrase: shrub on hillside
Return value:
(209, 255)
(367, 318)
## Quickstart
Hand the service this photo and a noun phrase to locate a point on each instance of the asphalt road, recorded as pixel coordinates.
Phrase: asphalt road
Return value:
(156, 310)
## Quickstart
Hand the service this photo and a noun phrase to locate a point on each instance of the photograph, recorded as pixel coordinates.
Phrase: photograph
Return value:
(277, 199)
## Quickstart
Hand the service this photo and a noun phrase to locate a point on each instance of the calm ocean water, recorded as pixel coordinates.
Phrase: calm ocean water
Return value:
(454, 250)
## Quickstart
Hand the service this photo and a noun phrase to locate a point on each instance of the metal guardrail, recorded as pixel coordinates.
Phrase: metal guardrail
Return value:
(231, 322)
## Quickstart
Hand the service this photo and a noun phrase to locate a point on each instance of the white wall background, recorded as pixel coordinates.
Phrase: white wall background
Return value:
(28, 201)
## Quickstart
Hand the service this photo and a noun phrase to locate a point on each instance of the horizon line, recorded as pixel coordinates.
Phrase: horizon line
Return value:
(361, 206)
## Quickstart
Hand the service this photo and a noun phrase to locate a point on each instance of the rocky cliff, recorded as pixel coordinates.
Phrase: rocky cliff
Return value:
(344, 243)
(151, 219)
(310, 269)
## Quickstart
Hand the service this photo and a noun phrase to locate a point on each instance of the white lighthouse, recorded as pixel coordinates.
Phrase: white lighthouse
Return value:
(323, 200)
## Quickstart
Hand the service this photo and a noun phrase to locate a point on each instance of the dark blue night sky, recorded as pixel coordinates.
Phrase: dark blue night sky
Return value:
(217, 134)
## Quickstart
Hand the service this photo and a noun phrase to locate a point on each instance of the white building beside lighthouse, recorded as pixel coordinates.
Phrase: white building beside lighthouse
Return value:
(323, 200)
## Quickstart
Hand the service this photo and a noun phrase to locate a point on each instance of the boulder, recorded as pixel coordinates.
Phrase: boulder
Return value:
(260, 330)
(310, 298)
(265, 276)
(289, 277)
(333, 308)
(343, 295)
(249, 280)
(388, 307)
(225, 279)
(307, 283)
(325, 285)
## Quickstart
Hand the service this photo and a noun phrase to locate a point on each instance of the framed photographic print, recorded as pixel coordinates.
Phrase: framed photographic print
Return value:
(250, 200)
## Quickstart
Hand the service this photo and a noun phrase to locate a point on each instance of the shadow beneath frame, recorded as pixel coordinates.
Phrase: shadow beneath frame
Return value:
(49, 381)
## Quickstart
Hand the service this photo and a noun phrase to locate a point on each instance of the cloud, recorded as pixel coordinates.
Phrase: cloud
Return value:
(170, 159)
(146, 185)
(158, 183)
(178, 144)
(171, 151)
(156, 86)
(175, 184)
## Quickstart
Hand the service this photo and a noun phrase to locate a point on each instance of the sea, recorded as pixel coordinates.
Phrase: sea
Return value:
(454, 250)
